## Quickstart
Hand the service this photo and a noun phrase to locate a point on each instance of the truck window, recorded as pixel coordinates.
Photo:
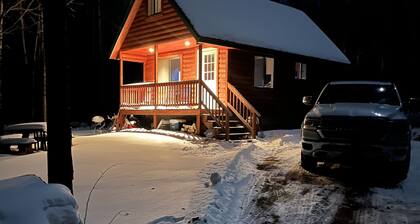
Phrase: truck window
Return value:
(359, 93)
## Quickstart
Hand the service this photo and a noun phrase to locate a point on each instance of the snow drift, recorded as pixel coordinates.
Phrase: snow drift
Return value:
(28, 199)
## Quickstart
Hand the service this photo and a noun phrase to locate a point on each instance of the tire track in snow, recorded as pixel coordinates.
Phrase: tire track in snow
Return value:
(232, 192)
(203, 195)
(299, 202)
(289, 194)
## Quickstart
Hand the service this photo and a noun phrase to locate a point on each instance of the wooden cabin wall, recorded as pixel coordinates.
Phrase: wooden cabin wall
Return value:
(161, 27)
(188, 64)
(189, 67)
(149, 65)
(222, 74)
(281, 106)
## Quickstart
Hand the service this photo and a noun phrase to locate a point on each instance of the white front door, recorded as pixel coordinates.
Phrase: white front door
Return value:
(209, 68)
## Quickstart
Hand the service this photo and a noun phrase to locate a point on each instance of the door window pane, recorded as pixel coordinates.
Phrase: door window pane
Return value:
(209, 67)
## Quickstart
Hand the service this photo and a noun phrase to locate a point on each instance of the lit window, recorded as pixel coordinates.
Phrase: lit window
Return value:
(300, 71)
(263, 72)
(155, 7)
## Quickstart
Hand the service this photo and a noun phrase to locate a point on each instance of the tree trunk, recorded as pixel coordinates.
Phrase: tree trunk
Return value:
(39, 68)
(44, 69)
(22, 33)
(1, 65)
(60, 164)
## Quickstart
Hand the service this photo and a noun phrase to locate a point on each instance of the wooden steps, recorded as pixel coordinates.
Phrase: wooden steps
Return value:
(236, 131)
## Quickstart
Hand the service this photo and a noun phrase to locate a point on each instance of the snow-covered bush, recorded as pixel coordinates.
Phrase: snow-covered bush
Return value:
(28, 199)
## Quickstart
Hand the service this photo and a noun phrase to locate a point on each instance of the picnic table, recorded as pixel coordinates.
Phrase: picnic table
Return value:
(30, 131)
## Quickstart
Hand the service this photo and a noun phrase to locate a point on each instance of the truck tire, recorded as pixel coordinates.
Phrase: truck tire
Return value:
(400, 169)
(307, 162)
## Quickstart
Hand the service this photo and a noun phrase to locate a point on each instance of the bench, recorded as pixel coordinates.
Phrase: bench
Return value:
(25, 145)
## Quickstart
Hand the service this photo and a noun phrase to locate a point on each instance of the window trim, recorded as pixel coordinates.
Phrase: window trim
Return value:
(144, 72)
(180, 68)
(265, 72)
(301, 71)
(171, 57)
(154, 9)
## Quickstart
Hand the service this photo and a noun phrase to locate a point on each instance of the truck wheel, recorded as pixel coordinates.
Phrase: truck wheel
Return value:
(307, 162)
(400, 169)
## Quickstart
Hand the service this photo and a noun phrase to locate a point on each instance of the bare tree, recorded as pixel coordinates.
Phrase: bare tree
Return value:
(1, 67)
(24, 15)
(18, 12)
(16, 15)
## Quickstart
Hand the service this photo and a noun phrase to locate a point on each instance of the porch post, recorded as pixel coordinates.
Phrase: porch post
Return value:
(200, 77)
(155, 120)
(121, 78)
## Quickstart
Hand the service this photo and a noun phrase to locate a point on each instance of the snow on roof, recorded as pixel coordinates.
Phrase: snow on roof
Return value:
(360, 83)
(261, 23)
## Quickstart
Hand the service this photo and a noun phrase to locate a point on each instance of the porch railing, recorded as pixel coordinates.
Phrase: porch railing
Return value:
(194, 93)
(169, 94)
(177, 94)
(243, 109)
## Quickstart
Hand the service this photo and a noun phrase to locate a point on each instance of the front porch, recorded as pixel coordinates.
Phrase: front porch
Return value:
(183, 77)
(190, 98)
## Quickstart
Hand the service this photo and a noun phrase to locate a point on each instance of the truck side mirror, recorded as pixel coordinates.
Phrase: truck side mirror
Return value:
(308, 101)
(414, 105)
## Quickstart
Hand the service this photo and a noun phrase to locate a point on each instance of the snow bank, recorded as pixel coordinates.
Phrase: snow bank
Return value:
(28, 199)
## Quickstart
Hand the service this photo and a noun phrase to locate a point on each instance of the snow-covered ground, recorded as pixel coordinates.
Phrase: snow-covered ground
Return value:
(155, 178)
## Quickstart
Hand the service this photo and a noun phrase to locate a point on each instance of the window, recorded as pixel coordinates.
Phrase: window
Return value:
(209, 67)
(263, 72)
(132, 72)
(169, 69)
(174, 69)
(300, 71)
(155, 7)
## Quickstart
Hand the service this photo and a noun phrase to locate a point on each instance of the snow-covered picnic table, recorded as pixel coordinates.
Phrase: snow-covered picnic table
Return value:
(23, 127)
(30, 131)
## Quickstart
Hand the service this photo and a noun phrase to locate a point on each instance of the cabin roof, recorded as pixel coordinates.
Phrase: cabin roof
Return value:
(261, 24)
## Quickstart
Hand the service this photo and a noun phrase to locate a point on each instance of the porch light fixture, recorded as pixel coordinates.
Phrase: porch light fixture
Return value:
(151, 50)
(187, 43)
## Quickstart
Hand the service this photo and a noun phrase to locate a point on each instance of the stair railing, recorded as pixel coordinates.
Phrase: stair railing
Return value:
(215, 108)
(243, 109)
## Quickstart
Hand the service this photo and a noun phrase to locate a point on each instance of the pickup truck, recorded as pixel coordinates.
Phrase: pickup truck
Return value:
(353, 121)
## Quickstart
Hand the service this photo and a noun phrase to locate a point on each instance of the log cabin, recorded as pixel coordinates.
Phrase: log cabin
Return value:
(225, 62)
